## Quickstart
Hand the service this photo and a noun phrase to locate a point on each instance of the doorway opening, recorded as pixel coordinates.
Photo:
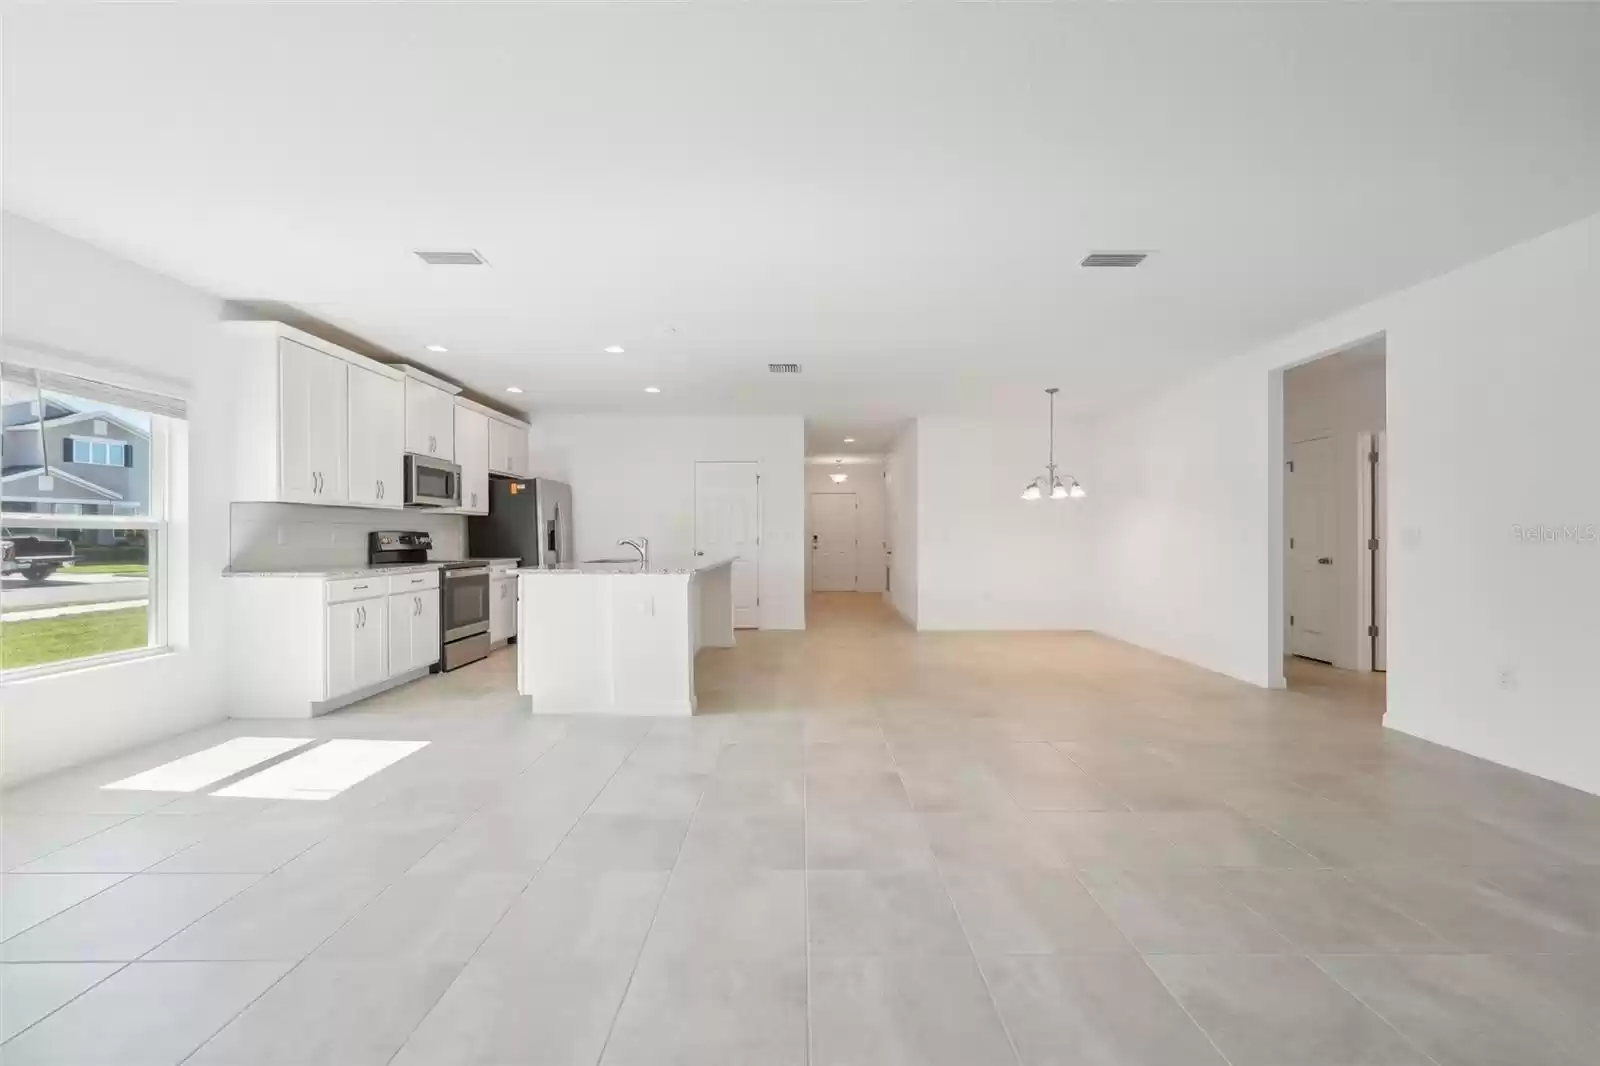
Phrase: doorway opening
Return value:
(850, 524)
(1335, 516)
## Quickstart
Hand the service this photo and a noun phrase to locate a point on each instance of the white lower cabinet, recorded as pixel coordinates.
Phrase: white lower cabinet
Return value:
(502, 608)
(302, 647)
(357, 646)
(413, 631)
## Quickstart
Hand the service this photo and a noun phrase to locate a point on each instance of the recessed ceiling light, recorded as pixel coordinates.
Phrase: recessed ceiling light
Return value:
(651, 388)
(437, 348)
(615, 349)
(849, 440)
(512, 388)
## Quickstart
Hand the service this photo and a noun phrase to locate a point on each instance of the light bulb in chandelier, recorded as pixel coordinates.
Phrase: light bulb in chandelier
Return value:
(1033, 491)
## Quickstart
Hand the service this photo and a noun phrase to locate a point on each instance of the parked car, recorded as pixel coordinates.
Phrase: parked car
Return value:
(35, 558)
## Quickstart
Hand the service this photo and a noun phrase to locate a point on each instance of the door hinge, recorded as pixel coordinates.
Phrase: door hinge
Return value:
(1372, 631)
(1291, 542)
(1291, 466)
(1372, 456)
(1291, 619)
(1372, 543)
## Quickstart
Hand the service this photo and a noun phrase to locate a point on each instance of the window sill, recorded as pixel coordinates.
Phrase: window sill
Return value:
(43, 671)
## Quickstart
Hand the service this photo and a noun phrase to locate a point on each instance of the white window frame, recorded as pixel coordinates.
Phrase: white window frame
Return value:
(156, 520)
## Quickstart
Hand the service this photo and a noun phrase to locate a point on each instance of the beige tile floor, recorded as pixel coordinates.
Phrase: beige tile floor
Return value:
(874, 847)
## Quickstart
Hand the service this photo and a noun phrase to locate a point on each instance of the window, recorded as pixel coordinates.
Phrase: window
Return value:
(99, 452)
(84, 509)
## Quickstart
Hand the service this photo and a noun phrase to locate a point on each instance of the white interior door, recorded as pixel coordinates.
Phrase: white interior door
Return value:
(727, 523)
(1312, 528)
(1380, 558)
(833, 541)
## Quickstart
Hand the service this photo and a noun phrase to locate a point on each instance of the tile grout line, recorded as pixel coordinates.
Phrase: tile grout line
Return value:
(1370, 1009)
(297, 963)
(120, 967)
(805, 879)
(938, 872)
(1077, 875)
(422, 1017)
(654, 914)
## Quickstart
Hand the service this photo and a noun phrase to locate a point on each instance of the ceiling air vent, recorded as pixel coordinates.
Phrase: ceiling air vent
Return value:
(468, 258)
(1114, 259)
(783, 368)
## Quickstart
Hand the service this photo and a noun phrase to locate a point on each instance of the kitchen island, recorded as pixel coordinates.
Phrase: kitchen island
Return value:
(619, 639)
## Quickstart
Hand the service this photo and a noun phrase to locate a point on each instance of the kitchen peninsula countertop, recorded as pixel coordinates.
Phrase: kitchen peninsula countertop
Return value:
(673, 567)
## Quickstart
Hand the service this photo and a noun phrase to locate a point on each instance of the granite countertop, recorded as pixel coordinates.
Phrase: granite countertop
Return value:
(332, 571)
(357, 571)
(673, 567)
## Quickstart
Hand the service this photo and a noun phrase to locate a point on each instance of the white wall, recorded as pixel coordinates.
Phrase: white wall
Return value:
(872, 534)
(1340, 397)
(283, 535)
(901, 506)
(67, 302)
(1492, 379)
(634, 476)
(987, 559)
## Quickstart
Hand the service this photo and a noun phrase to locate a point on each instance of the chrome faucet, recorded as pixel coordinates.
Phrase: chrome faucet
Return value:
(640, 545)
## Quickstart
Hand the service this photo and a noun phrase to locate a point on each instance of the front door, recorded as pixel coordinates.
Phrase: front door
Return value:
(727, 524)
(833, 541)
(1312, 563)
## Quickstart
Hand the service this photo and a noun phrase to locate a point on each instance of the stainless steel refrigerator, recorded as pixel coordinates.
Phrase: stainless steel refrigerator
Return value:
(529, 519)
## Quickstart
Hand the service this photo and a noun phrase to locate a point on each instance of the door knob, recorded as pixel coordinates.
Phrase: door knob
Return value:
(699, 553)
(1325, 561)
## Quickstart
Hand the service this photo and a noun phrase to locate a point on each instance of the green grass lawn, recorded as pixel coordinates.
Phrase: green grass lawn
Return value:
(47, 640)
(130, 569)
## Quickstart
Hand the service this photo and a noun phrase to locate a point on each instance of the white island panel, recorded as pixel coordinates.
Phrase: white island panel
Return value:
(619, 641)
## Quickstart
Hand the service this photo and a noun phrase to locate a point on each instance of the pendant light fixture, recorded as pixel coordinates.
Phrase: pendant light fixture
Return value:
(1058, 489)
(838, 477)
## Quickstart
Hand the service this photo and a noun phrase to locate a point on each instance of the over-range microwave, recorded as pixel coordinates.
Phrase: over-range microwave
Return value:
(432, 482)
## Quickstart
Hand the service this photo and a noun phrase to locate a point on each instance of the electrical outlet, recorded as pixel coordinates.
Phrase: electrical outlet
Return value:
(1506, 678)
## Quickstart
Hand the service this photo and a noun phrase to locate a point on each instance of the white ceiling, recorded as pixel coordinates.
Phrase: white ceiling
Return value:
(895, 196)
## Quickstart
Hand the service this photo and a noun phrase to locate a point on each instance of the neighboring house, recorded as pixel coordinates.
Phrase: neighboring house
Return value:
(71, 461)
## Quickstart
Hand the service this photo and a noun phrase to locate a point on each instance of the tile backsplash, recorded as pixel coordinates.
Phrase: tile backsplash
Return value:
(282, 535)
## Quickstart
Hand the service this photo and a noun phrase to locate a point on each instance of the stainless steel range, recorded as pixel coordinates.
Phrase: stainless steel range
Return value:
(463, 593)
(463, 613)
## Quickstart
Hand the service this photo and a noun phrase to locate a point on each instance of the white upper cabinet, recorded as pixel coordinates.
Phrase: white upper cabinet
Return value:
(472, 454)
(430, 420)
(312, 422)
(508, 448)
(377, 439)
